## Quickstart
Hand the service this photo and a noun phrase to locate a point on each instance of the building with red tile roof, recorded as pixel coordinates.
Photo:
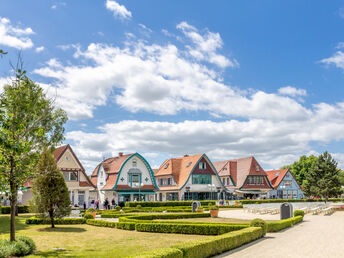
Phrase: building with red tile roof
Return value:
(188, 178)
(75, 176)
(284, 185)
(124, 178)
(244, 177)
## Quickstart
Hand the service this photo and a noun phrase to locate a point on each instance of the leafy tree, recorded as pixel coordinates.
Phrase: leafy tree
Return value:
(301, 168)
(2, 52)
(28, 122)
(323, 179)
(50, 192)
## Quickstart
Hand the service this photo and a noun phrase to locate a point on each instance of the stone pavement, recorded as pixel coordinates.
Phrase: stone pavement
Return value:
(317, 236)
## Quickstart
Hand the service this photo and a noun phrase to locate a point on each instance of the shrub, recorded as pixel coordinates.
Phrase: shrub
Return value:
(21, 209)
(236, 206)
(90, 210)
(138, 206)
(214, 208)
(126, 225)
(218, 244)
(88, 216)
(299, 213)
(282, 224)
(22, 246)
(167, 203)
(64, 221)
(163, 216)
(195, 229)
(200, 209)
(160, 253)
(259, 223)
(119, 225)
(118, 208)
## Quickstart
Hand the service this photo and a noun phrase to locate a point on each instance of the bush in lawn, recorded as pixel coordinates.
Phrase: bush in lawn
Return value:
(259, 223)
(22, 246)
(138, 207)
(88, 216)
(118, 208)
(299, 213)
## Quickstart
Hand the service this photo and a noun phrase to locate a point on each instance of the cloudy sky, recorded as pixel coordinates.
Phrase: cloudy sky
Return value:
(167, 78)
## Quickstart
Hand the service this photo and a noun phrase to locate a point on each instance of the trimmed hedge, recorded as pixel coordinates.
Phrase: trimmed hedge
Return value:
(200, 229)
(259, 223)
(230, 206)
(109, 224)
(64, 221)
(164, 216)
(299, 213)
(282, 224)
(22, 246)
(21, 209)
(160, 253)
(167, 203)
(219, 244)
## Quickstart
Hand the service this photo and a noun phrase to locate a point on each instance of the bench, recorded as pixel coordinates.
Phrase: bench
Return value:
(328, 211)
(315, 211)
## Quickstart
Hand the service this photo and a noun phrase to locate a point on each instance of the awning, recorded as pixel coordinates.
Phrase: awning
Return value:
(136, 192)
(250, 192)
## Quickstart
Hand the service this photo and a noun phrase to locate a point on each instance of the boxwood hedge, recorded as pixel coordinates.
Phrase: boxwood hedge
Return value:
(64, 221)
(160, 253)
(195, 229)
(167, 203)
(282, 224)
(21, 209)
(119, 225)
(219, 244)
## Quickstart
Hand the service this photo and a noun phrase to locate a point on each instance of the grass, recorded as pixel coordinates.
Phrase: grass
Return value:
(89, 241)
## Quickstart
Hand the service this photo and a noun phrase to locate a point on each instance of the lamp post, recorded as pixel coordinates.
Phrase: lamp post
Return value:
(139, 185)
(211, 189)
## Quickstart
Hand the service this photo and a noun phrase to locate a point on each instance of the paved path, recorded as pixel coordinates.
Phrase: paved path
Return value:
(318, 236)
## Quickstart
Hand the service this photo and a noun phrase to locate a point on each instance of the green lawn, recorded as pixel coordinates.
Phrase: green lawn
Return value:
(89, 241)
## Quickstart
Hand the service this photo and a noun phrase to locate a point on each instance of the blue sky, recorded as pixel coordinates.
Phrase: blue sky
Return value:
(166, 78)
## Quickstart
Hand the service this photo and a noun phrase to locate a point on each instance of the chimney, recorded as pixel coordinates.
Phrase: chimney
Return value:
(120, 154)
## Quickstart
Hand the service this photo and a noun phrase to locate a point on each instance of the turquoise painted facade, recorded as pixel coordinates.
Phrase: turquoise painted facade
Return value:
(287, 189)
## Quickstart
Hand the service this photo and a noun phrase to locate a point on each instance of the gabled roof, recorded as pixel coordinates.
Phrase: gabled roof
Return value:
(227, 168)
(244, 168)
(180, 168)
(58, 153)
(276, 176)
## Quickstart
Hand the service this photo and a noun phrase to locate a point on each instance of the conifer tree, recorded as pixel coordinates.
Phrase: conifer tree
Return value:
(50, 192)
(323, 179)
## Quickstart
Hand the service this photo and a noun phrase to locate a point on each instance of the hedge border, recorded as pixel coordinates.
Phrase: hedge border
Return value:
(21, 209)
(63, 221)
(282, 224)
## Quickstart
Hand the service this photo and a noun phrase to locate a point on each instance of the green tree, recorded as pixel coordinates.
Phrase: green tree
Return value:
(301, 168)
(323, 179)
(2, 52)
(50, 192)
(28, 122)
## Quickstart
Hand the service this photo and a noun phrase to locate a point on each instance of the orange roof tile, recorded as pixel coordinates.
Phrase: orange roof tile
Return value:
(276, 176)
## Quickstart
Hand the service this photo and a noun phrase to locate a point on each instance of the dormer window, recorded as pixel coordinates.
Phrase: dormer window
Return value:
(188, 165)
(257, 168)
(101, 173)
(166, 166)
(67, 158)
(134, 163)
(202, 165)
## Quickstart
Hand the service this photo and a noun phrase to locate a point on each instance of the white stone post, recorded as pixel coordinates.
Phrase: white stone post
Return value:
(76, 197)
(87, 197)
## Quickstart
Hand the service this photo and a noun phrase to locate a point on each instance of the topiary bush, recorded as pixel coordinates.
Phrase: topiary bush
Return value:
(259, 223)
(299, 213)
(22, 246)
(138, 207)
(118, 208)
(88, 216)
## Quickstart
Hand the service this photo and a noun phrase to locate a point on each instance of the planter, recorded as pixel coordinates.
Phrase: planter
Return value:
(200, 210)
(94, 214)
(214, 213)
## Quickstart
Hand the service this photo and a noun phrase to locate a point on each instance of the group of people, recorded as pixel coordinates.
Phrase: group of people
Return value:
(106, 205)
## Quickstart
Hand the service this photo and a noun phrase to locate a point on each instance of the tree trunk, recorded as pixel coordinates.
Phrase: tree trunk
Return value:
(51, 214)
(13, 199)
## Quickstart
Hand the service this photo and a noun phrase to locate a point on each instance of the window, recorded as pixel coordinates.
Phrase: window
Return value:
(169, 181)
(135, 179)
(73, 177)
(255, 180)
(101, 173)
(188, 165)
(227, 180)
(134, 163)
(67, 158)
(166, 166)
(66, 176)
(287, 183)
(223, 181)
(201, 179)
(257, 168)
(161, 181)
(202, 165)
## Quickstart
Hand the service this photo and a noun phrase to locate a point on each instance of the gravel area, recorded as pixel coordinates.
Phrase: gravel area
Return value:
(318, 236)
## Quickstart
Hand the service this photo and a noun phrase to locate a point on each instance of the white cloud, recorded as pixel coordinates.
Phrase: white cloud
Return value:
(119, 11)
(273, 143)
(205, 46)
(292, 91)
(39, 49)
(158, 79)
(337, 59)
(53, 6)
(14, 36)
